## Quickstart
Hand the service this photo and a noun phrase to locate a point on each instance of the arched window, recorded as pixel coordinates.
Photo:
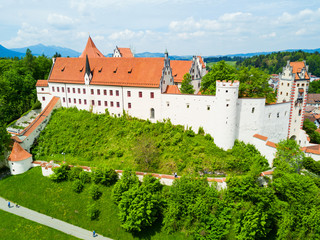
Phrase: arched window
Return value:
(152, 113)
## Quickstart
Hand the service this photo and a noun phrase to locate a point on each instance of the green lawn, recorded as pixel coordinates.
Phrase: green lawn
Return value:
(232, 63)
(13, 227)
(39, 193)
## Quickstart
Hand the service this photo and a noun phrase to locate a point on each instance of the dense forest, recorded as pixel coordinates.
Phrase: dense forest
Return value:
(274, 62)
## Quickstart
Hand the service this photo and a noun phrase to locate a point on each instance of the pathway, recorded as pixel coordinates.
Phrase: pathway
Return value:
(49, 221)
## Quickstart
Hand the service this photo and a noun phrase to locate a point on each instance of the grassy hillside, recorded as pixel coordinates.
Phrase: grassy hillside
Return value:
(59, 201)
(90, 139)
(231, 63)
(13, 227)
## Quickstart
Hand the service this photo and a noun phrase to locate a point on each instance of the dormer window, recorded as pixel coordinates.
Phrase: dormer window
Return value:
(114, 71)
(130, 71)
(62, 69)
(81, 69)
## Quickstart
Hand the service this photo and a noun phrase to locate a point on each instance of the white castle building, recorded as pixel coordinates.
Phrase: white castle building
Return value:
(148, 88)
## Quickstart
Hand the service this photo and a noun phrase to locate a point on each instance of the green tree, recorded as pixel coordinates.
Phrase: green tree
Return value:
(140, 206)
(186, 86)
(310, 129)
(219, 71)
(4, 142)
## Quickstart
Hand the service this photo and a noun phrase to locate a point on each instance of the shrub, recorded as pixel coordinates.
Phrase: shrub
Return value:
(93, 212)
(61, 173)
(77, 186)
(96, 175)
(85, 177)
(109, 177)
(95, 192)
(74, 173)
(36, 105)
(201, 131)
(208, 137)
(190, 133)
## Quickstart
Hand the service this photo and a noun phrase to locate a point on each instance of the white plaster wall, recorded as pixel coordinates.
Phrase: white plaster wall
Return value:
(20, 166)
(43, 92)
(276, 121)
(250, 113)
(265, 150)
(284, 91)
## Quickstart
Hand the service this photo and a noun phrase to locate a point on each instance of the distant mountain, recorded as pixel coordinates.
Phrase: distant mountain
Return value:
(161, 55)
(48, 51)
(7, 53)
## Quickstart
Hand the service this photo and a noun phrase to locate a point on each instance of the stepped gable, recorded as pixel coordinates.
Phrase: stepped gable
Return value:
(91, 50)
(18, 153)
(201, 61)
(179, 69)
(297, 67)
(139, 72)
(125, 52)
(42, 83)
(172, 89)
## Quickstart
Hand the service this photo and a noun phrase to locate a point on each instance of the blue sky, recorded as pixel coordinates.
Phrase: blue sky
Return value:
(184, 27)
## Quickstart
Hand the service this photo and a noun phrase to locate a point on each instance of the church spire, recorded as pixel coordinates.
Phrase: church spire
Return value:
(91, 50)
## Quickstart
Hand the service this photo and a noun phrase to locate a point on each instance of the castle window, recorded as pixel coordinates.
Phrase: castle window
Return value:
(168, 104)
(152, 95)
(69, 99)
(79, 101)
(64, 99)
(129, 93)
(98, 91)
(285, 113)
(280, 93)
(129, 105)
(52, 89)
(302, 84)
(85, 101)
(43, 98)
(111, 93)
(42, 89)
(118, 104)
(152, 113)
(198, 84)
(208, 108)
(105, 103)
(92, 91)
(58, 89)
(298, 85)
(226, 91)
(84, 91)
(227, 105)
(140, 94)
(79, 91)
(92, 102)
(286, 94)
(288, 84)
(99, 103)
(269, 115)
(278, 115)
(117, 92)
(300, 112)
(188, 105)
(62, 89)
(104, 92)
(281, 84)
(252, 111)
(307, 84)
(73, 90)
(111, 104)
(74, 101)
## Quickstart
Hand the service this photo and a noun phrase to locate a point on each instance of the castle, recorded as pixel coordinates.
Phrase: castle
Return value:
(148, 88)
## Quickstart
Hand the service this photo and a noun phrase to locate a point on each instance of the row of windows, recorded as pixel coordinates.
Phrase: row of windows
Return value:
(298, 85)
(98, 91)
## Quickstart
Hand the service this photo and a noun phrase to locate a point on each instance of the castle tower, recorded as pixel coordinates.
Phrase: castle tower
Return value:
(166, 78)
(226, 112)
(293, 87)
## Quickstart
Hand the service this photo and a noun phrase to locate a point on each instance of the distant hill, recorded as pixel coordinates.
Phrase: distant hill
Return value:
(48, 51)
(161, 55)
(7, 53)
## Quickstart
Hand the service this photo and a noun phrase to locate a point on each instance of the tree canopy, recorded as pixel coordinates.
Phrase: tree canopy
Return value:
(186, 86)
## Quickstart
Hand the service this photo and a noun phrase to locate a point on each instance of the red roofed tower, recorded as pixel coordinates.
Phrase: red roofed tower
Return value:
(91, 50)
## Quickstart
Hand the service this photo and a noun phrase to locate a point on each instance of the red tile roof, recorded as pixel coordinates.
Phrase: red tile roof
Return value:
(42, 116)
(271, 144)
(313, 149)
(140, 72)
(202, 62)
(125, 52)
(172, 89)
(42, 83)
(296, 68)
(179, 69)
(18, 153)
(260, 137)
(91, 50)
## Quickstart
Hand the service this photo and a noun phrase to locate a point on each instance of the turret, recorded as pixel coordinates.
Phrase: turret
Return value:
(166, 78)
(226, 112)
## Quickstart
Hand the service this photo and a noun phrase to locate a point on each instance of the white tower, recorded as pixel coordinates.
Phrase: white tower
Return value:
(226, 113)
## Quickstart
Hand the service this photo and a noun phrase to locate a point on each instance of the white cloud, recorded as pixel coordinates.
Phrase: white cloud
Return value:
(60, 21)
(301, 32)
(270, 35)
(127, 35)
(187, 35)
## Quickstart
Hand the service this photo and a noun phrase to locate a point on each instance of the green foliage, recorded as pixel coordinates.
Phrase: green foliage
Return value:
(201, 131)
(93, 212)
(109, 177)
(36, 105)
(95, 192)
(140, 206)
(311, 165)
(186, 86)
(127, 181)
(17, 84)
(74, 173)
(4, 141)
(77, 186)
(310, 129)
(289, 157)
(314, 87)
(60, 173)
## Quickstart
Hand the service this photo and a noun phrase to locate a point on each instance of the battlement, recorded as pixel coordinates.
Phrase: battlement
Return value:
(229, 83)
